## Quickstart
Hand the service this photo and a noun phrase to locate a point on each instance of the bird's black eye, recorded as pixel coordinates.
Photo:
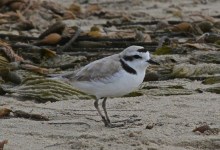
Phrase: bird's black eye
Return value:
(132, 57)
(137, 57)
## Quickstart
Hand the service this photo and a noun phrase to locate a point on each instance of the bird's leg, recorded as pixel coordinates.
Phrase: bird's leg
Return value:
(104, 108)
(96, 104)
(109, 124)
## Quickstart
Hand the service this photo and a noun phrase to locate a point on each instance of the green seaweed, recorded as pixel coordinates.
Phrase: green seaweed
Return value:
(44, 90)
(133, 94)
(214, 90)
(212, 80)
(163, 50)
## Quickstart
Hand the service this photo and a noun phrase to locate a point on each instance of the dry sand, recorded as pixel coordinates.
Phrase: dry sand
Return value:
(174, 117)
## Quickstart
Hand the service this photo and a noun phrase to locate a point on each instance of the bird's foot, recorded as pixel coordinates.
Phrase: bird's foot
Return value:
(110, 125)
(120, 123)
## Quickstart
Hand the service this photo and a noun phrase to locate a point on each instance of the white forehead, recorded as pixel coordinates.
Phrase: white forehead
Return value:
(147, 55)
(132, 50)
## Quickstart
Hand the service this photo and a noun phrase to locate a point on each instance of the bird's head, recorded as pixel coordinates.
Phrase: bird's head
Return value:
(137, 57)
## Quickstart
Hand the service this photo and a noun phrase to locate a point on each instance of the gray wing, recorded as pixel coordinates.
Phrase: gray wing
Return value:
(98, 70)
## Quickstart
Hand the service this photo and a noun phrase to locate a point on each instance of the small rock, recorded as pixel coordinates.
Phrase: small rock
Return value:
(150, 126)
(132, 134)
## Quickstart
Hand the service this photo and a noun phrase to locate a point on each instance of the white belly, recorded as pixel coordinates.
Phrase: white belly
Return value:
(122, 83)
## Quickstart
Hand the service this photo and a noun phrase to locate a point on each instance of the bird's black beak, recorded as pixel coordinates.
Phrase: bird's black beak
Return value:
(152, 62)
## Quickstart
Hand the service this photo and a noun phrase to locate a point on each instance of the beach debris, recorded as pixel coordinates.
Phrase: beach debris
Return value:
(43, 90)
(202, 128)
(4, 112)
(207, 130)
(2, 143)
(213, 90)
(23, 114)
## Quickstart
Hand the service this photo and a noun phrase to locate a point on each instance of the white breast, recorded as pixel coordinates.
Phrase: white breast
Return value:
(118, 85)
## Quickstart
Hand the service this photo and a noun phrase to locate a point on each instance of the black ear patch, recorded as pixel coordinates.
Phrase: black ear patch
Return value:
(131, 58)
(142, 50)
(128, 58)
(136, 57)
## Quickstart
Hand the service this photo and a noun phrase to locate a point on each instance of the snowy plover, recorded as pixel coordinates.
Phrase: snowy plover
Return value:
(112, 76)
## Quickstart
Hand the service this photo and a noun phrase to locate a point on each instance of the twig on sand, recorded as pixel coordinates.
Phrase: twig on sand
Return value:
(22, 114)
(71, 41)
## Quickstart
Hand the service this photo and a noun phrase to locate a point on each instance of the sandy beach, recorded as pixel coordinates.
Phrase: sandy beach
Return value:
(75, 124)
(160, 119)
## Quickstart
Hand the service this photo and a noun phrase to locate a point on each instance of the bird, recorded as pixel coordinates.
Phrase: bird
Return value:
(112, 76)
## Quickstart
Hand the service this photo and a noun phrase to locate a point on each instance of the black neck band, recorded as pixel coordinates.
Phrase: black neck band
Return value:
(127, 68)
